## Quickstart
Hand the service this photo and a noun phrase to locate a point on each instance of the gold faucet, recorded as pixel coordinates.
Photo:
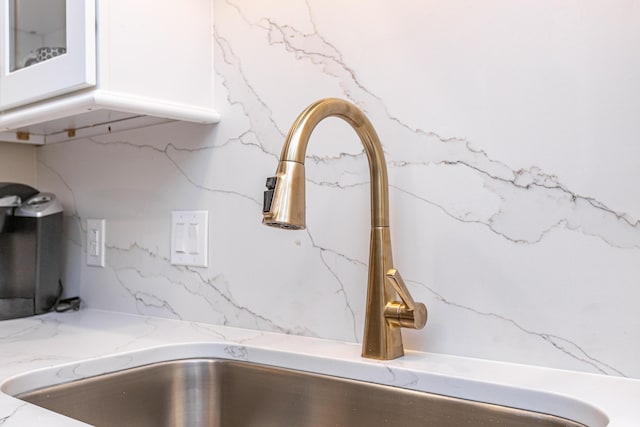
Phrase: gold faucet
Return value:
(284, 207)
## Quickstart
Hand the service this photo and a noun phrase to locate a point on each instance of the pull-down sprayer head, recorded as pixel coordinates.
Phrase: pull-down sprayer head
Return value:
(284, 202)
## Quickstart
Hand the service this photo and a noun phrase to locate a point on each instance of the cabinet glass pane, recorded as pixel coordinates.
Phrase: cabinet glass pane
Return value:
(38, 31)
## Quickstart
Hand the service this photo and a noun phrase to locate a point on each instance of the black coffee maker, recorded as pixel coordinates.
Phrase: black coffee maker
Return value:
(30, 250)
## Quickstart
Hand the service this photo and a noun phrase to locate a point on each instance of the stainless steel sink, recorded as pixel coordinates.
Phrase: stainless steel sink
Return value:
(223, 393)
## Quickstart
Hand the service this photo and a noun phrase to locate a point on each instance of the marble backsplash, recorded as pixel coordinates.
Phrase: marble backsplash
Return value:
(512, 142)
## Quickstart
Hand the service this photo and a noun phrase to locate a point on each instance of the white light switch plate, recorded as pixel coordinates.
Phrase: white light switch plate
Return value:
(96, 242)
(189, 238)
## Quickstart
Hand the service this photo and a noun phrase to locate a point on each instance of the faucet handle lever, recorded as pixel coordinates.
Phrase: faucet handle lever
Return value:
(394, 277)
(409, 314)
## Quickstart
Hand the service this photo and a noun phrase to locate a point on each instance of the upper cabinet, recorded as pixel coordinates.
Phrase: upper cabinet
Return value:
(49, 49)
(75, 68)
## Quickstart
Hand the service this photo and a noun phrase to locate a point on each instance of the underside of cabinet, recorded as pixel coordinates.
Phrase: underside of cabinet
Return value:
(93, 113)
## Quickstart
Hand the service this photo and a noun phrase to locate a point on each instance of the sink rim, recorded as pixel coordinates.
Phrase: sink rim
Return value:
(174, 373)
(396, 374)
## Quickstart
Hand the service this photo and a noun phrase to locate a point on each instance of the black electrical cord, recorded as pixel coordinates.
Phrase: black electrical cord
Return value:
(64, 304)
(67, 304)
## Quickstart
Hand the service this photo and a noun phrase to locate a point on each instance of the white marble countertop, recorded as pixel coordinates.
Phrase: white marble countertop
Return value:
(56, 348)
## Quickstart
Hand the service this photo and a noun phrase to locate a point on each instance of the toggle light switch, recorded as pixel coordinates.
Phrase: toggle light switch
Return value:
(189, 237)
(96, 242)
(179, 237)
(193, 238)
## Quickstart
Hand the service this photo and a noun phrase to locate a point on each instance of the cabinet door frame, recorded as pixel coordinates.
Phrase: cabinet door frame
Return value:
(74, 70)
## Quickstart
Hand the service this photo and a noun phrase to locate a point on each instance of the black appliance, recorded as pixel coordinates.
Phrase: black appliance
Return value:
(30, 250)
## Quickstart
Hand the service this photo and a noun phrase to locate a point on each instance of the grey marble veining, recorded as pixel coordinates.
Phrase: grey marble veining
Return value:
(93, 342)
(511, 161)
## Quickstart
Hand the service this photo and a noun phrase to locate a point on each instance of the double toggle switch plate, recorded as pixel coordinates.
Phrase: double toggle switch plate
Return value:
(189, 237)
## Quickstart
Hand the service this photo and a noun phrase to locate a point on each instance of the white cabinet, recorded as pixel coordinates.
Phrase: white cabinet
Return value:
(50, 49)
(75, 68)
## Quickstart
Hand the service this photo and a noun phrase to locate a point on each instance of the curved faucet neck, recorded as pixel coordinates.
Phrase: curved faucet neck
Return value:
(295, 148)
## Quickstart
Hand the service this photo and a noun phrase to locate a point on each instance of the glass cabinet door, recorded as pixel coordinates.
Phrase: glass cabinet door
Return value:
(47, 48)
(37, 31)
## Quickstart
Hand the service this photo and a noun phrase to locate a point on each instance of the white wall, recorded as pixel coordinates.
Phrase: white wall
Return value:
(513, 146)
(18, 163)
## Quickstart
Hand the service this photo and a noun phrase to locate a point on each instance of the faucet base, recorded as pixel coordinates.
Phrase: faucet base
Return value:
(382, 340)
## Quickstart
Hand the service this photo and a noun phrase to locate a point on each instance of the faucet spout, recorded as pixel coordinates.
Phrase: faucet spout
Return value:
(284, 207)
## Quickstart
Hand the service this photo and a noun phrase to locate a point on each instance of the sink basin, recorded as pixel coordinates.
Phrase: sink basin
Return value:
(221, 393)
